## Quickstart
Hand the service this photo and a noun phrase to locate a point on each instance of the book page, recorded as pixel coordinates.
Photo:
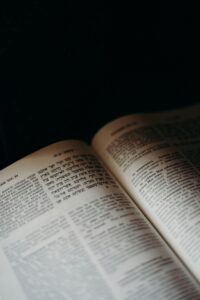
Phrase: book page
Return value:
(156, 159)
(67, 231)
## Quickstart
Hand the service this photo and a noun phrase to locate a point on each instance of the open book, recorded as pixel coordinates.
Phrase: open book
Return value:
(116, 220)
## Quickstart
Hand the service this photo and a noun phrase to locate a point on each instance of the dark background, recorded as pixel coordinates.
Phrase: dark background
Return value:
(68, 68)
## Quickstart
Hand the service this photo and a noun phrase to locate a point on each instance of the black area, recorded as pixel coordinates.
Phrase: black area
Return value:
(68, 68)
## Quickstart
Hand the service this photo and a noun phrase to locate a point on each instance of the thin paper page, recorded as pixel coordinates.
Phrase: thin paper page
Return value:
(156, 158)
